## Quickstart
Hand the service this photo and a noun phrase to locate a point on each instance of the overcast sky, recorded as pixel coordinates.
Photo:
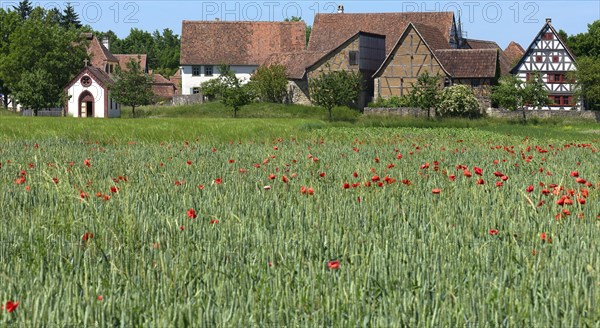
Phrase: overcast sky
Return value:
(500, 21)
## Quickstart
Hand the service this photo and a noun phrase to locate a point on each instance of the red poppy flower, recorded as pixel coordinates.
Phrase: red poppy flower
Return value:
(498, 174)
(375, 178)
(114, 189)
(584, 193)
(191, 213)
(218, 181)
(272, 176)
(478, 170)
(284, 179)
(215, 221)
(303, 190)
(499, 184)
(322, 174)
(201, 187)
(311, 191)
(231, 161)
(575, 174)
(10, 306)
(275, 148)
(189, 162)
(376, 159)
(333, 265)
(406, 182)
(87, 162)
(358, 199)
(424, 166)
(493, 232)
(20, 180)
(580, 180)
(106, 198)
(399, 156)
(355, 175)
(480, 182)
(436, 191)
(214, 150)
(346, 185)
(504, 178)
(83, 195)
(181, 228)
(99, 298)
(55, 180)
(529, 189)
(87, 236)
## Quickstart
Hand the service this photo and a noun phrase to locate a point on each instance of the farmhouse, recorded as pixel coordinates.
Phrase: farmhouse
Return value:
(244, 46)
(549, 57)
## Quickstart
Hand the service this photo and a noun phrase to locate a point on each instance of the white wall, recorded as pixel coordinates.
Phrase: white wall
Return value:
(75, 91)
(188, 81)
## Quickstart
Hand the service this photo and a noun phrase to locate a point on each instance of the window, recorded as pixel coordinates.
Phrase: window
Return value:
(538, 59)
(555, 59)
(475, 83)
(353, 58)
(548, 36)
(208, 70)
(196, 70)
(566, 100)
(556, 78)
(195, 90)
(527, 77)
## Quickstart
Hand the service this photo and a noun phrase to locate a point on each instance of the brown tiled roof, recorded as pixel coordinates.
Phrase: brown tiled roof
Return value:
(330, 30)
(514, 52)
(99, 75)
(98, 52)
(159, 79)
(295, 62)
(469, 63)
(125, 58)
(238, 43)
(505, 62)
(432, 36)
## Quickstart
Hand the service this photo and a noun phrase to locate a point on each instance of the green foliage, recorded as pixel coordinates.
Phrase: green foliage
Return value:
(588, 81)
(513, 94)
(69, 18)
(458, 101)
(270, 83)
(235, 94)
(132, 87)
(335, 88)
(392, 102)
(585, 44)
(535, 93)
(425, 94)
(213, 89)
(36, 91)
(38, 43)
(24, 9)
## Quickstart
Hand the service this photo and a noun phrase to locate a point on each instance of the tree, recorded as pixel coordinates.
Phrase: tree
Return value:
(69, 18)
(458, 101)
(24, 9)
(235, 94)
(335, 88)
(36, 91)
(588, 82)
(585, 44)
(40, 43)
(513, 94)
(425, 93)
(132, 87)
(270, 83)
(10, 21)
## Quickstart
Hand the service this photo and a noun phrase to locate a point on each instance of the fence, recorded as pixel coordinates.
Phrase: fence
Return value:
(52, 112)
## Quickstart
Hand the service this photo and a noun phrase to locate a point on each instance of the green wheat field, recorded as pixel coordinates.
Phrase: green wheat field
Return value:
(296, 222)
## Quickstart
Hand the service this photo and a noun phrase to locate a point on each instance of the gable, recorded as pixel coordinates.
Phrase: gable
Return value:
(98, 76)
(409, 55)
(542, 51)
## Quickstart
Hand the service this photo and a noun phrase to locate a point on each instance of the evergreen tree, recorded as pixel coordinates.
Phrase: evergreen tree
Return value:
(24, 9)
(69, 18)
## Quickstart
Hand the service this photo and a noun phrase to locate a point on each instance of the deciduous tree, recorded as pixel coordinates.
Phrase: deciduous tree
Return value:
(335, 88)
(132, 87)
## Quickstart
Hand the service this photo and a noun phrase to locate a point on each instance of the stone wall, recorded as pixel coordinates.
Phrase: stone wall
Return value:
(179, 100)
(518, 114)
(298, 92)
(400, 111)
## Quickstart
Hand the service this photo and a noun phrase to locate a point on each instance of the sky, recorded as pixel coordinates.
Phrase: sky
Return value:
(502, 21)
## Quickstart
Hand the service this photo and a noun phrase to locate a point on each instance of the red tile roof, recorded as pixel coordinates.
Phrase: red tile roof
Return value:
(295, 62)
(330, 30)
(98, 53)
(514, 52)
(238, 43)
(469, 63)
(505, 62)
(125, 58)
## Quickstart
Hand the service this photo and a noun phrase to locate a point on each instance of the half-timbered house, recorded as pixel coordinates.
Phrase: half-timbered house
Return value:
(549, 58)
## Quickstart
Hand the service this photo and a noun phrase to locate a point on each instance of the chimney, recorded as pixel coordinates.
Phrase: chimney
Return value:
(340, 9)
(548, 20)
(105, 43)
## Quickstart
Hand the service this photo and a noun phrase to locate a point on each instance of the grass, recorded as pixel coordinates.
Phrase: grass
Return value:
(407, 256)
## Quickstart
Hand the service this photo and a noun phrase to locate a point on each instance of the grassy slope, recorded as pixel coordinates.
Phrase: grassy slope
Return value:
(260, 121)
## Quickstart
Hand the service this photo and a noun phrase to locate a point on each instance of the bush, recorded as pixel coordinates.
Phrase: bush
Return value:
(270, 83)
(392, 102)
(335, 88)
(458, 101)
(213, 89)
